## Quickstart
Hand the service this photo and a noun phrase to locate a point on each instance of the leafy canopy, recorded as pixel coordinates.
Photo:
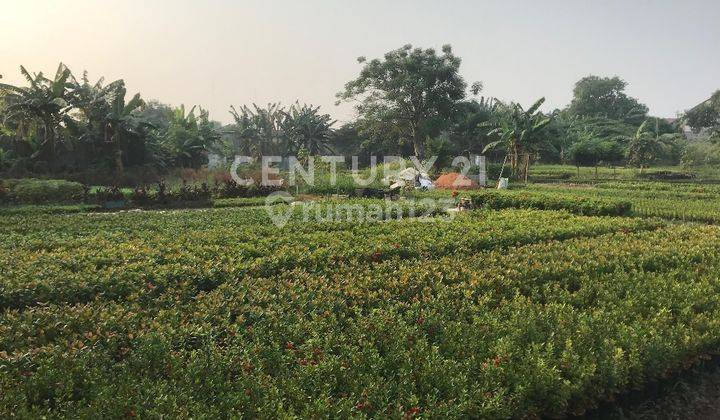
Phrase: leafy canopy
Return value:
(595, 96)
(412, 90)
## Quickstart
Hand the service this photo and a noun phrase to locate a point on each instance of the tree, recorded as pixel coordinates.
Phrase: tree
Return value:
(412, 90)
(644, 147)
(468, 126)
(122, 123)
(706, 115)
(605, 97)
(91, 104)
(188, 137)
(594, 151)
(308, 129)
(519, 131)
(42, 106)
(260, 131)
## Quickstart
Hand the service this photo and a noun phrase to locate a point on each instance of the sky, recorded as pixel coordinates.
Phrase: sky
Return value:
(218, 53)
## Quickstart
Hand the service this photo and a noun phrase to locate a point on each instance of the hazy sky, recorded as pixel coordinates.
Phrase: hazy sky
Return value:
(220, 52)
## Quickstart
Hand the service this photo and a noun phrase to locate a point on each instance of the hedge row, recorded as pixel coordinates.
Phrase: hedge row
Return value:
(495, 199)
(545, 329)
(40, 191)
(54, 191)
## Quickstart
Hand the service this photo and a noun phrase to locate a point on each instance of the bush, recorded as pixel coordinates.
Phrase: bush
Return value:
(188, 193)
(37, 191)
(228, 188)
(141, 196)
(667, 175)
(548, 201)
(108, 194)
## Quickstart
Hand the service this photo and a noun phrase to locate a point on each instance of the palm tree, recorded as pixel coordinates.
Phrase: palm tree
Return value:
(44, 103)
(518, 130)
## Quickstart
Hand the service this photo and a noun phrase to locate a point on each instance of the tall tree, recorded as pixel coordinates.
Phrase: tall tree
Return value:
(414, 90)
(595, 96)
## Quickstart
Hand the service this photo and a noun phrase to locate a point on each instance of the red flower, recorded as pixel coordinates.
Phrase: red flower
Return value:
(412, 412)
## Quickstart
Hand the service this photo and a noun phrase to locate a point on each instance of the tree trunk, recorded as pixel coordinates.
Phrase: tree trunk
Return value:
(48, 147)
(117, 153)
(418, 143)
(527, 166)
(514, 164)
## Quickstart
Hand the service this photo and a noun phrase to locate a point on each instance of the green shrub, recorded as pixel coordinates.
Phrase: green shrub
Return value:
(4, 193)
(495, 199)
(37, 191)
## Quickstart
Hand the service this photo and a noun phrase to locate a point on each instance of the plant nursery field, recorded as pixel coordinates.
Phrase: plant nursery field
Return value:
(535, 305)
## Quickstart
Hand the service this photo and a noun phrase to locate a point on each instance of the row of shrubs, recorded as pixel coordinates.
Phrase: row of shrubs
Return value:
(233, 315)
(495, 199)
(40, 191)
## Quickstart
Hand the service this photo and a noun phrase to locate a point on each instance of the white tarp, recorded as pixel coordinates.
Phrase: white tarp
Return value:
(408, 177)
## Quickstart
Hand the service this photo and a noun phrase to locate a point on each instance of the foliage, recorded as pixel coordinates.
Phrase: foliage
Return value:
(39, 108)
(469, 128)
(495, 199)
(706, 116)
(700, 153)
(40, 191)
(605, 97)
(308, 129)
(188, 137)
(593, 151)
(260, 131)
(675, 201)
(483, 316)
(411, 90)
(109, 194)
(228, 188)
(77, 125)
(519, 131)
(646, 147)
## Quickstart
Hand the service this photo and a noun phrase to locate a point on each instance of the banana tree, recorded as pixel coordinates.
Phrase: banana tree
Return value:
(307, 129)
(44, 103)
(122, 123)
(188, 137)
(646, 145)
(261, 131)
(518, 131)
